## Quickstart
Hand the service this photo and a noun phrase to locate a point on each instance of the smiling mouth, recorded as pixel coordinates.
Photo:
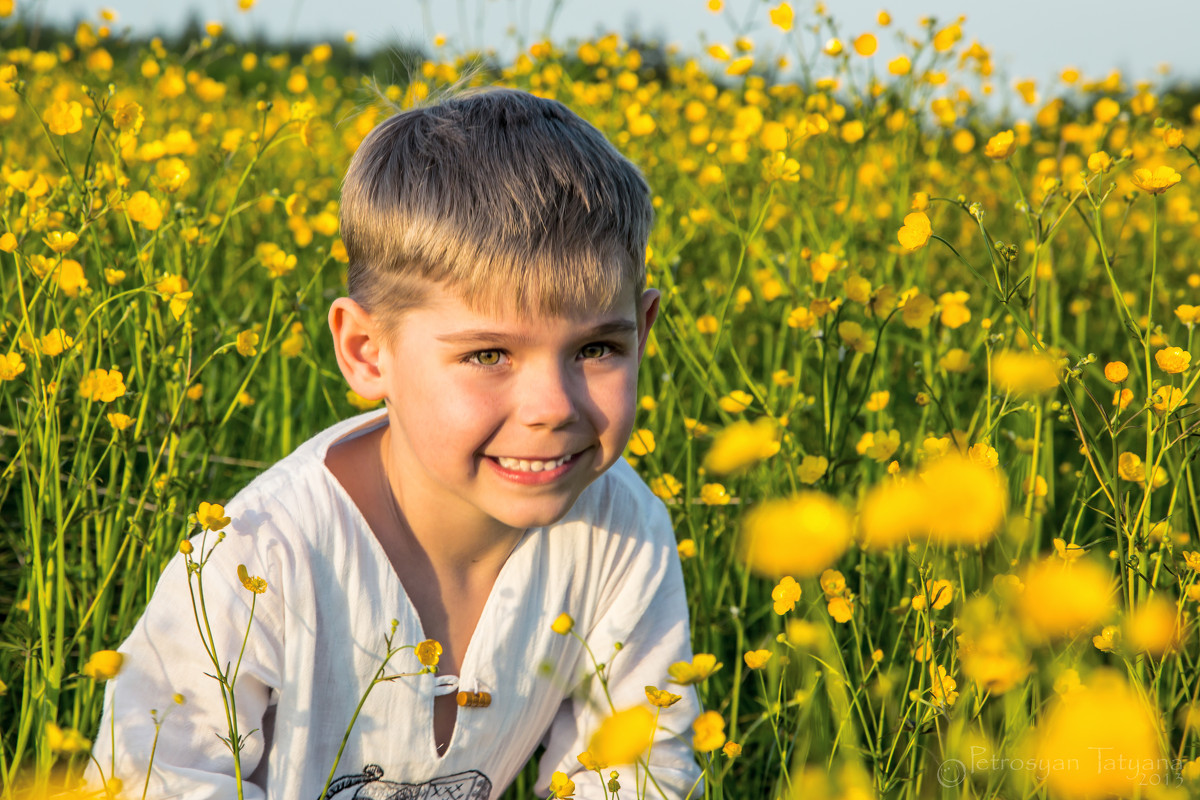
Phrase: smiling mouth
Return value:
(533, 465)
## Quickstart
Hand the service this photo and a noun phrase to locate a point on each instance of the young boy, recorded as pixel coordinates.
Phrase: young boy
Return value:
(496, 304)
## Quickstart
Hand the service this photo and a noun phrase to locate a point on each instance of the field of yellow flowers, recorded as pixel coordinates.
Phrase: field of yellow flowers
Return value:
(920, 401)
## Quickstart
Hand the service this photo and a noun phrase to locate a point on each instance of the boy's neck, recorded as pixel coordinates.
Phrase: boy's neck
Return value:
(453, 547)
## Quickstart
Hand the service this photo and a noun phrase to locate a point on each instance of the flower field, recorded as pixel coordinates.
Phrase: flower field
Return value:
(919, 400)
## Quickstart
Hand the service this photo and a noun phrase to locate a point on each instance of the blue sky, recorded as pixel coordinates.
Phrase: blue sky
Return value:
(1029, 38)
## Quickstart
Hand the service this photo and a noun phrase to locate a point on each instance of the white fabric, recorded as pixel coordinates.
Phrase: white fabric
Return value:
(317, 640)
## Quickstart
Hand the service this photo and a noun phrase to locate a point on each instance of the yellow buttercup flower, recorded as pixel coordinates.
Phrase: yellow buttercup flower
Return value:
(60, 241)
(701, 666)
(801, 535)
(642, 442)
(811, 469)
(563, 624)
(757, 659)
(247, 343)
(252, 583)
(1173, 359)
(742, 444)
(64, 117)
(785, 595)
(1061, 599)
(915, 232)
(102, 385)
(211, 516)
(623, 737)
(661, 698)
(103, 665)
(1157, 180)
(1116, 371)
(709, 731)
(429, 652)
(1000, 146)
(561, 786)
(782, 17)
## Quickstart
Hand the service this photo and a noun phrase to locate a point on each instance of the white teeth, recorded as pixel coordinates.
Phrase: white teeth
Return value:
(522, 465)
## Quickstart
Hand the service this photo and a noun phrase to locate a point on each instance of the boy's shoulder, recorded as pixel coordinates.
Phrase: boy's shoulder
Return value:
(299, 486)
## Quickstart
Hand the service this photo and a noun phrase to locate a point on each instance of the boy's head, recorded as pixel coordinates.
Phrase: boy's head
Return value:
(502, 197)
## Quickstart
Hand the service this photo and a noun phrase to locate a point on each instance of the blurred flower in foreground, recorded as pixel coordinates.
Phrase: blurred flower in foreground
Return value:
(623, 737)
(1102, 739)
(1020, 372)
(742, 444)
(801, 535)
(1062, 599)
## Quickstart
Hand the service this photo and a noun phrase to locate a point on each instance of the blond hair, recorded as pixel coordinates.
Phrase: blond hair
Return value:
(502, 196)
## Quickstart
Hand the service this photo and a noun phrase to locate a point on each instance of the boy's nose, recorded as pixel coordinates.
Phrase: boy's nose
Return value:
(549, 397)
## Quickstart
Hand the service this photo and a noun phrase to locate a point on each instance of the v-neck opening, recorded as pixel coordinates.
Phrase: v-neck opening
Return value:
(362, 525)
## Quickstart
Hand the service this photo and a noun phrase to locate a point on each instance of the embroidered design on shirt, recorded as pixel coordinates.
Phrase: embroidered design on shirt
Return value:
(366, 785)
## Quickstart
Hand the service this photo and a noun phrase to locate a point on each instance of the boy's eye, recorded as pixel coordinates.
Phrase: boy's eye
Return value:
(594, 350)
(488, 358)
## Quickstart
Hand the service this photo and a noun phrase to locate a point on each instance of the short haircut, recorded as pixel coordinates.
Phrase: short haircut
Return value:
(500, 195)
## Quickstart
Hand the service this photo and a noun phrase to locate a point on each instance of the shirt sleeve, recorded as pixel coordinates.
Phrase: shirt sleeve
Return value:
(648, 616)
(164, 715)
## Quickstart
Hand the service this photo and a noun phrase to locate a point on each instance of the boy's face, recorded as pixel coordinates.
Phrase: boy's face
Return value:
(471, 396)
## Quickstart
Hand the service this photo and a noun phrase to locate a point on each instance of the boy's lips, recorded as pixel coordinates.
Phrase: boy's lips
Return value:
(511, 470)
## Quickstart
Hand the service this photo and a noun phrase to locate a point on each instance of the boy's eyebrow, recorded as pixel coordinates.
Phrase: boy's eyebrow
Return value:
(616, 326)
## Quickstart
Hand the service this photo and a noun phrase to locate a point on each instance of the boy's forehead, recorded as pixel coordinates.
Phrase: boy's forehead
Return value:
(505, 306)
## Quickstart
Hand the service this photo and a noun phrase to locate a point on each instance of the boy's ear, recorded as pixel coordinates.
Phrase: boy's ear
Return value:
(647, 313)
(356, 342)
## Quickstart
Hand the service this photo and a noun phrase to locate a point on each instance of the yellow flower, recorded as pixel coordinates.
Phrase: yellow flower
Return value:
(666, 486)
(1024, 372)
(866, 44)
(840, 609)
(1152, 627)
(701, 666)
(144, 210)
(1061, 599)
(742, 444)
(56, 342)
(102, 385)
(878, 401)
(178, 303)
(706, 323)
(103, 664)
(955, 360)
(1000, 146)
(428, 652)
(714, 494)
(64, 117)
(800, 535)
(1093, 734)
(937, 595)
(563, 624)
(252, 583)
(8, 242)
(740, 66)
(687, 549)
(947, 37)
(65, 741)
(1155, 181)
(589, 761)
(732, 749)
(900, 65)
(1065, 551)
(247, 343)
(120, 421)
(561, 786)
(1107, 639)
(878, 445)
(757, 659)
(60, 242)
(1173, 359)
(1099, 162)
(709, 730)
(1116, 371)
(211, 516)
(1122, 398)
(783, 17)
(785, 595)
(642, 442)
(964, 501)
(661, 698)
(942, 687)
(811, 469)
(833, 47)
(623, 737)
(915, 232)
(1167, 399)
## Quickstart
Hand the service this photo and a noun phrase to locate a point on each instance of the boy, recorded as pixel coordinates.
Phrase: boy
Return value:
(496, 247)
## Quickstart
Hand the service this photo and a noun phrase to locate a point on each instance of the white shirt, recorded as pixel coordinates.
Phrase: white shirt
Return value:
(317, 639)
